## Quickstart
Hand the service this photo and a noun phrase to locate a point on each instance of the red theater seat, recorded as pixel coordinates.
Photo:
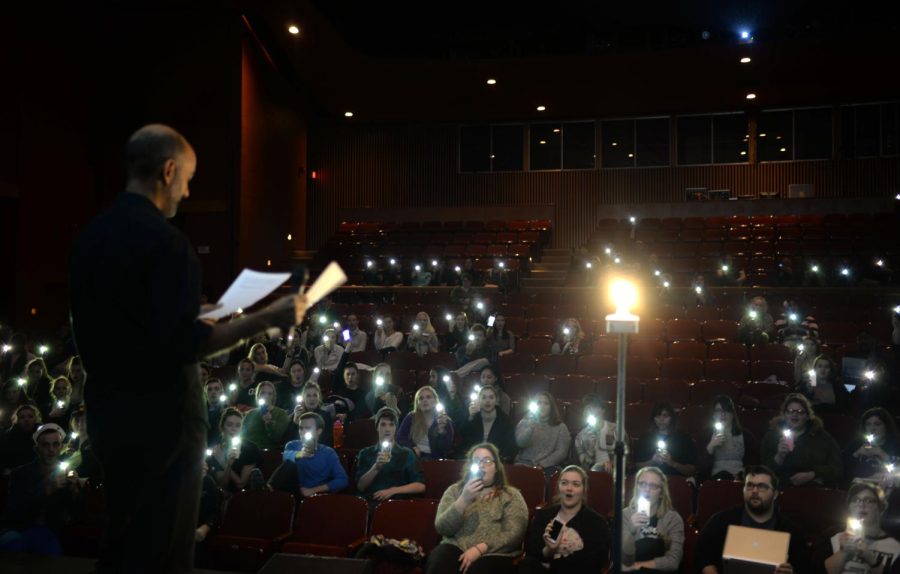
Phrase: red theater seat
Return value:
(328, 525)
(253, 526)
(412, 519)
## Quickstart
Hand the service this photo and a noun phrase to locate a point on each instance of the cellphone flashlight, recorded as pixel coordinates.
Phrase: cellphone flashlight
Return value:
(323, 319)
(73, 436)
(446, 378)
(643, 505)
(880, 263)
(854, 526)
(812, 377)
(660, 445)
(239, 311)
(60, 404)
(793, 317)
(501, 265)
(299, 399)
(845, 272)
(307, 436)
(753, 314)
(491, 319)
(869, 375)
(208, 452)
(324, 338)
(439, 408)
(801, 348)
(346, 334)
(232, 387)
(719, 427)
(479, 305)
(379, 322)
(657, 272)
(369, 264)
(725, 268)
(63, 466)
(393, 261)
(471, 337)
(379, 381)
(814, 268)
(42, 350)
(666, 284)
(588, 265)
(476, 471)
(415, 327)
(591, 420)
(473, 396)
(223, 399)
(386, 446)
(698, 289)
(235, 442)
(457, 268)
(870, 438)
(22, 382)
(896, 310)
(418, 268)
(434, 263)
(608, 251)
(566, 331)
(449, 317)
(889, 467)
(533, 407)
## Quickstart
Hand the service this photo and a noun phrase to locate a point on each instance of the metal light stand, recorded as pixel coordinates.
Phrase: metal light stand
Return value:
(622, 324)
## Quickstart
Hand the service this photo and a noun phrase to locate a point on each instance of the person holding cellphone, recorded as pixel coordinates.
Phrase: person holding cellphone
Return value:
(308, 465)
(652, 530)
(266, 425)
(427, 430)
(876, 446)
(568, 536)
(387, 340)
(863, 547)
(541, 436)
(422, 339)
(233, 459)
(500, 339)
(728, 441)
(358, 340)
(487, 423)
(482, 519)
(388, 469)
(328, 354)
(310, 401)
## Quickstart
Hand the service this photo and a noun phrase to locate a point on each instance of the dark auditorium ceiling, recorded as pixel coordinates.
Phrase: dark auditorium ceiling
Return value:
(426, 61)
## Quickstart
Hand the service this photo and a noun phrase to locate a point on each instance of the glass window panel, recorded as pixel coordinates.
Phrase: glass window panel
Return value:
(812, 134)
(694, 140)
(578, 145)
(545, 146)
(730, 138)
(508, 148)
(618, 143)
(652, 142)
(774, 136)
(474, 148)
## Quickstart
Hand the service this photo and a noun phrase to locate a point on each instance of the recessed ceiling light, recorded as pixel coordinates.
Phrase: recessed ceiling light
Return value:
(744, 153)
(762, 135)
(631, 155)
(293, 30)
(751, 96)
(783, 149)
(491, 81)
(348, 114)
(556, 130)
(541, 108)
(614, 144)
(542, 142)
(745, 60)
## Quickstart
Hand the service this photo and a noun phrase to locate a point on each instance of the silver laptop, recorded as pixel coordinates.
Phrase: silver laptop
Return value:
(754, 550)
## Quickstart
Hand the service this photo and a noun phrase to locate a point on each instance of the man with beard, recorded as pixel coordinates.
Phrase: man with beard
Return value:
(758, 511)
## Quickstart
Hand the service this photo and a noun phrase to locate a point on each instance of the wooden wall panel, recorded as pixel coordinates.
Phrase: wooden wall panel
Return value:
(416, 166)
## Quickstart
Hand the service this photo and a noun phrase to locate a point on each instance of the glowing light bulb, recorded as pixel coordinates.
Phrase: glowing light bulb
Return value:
(617, 260)
(393, 261)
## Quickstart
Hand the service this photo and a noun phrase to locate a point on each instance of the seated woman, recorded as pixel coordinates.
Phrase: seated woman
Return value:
(79, 451)
(805, 358)
(757, 327)
(728, 442)
(481, 519)
(422, 339)
(266, 426)
(541, 436)
(876, 446)
(12, 396)
(476, 353)
(350, 388)
(652, 531)
(328, 355)
(76, 375)
(823, 386)
(666, 446)
(798, 448)
(312, 403)
(427, 431)
(38, 381)
(487, 423)
(458, 335)
(595, 444)
(233, 459)
(500, 339)
(581, 546)
(449, 393)
(491, 376)
(59, 407)
(243, 398)
(864, 547)
(16, 442)
(263, 371)
(384, 393)
(386, 338)
(570, 339)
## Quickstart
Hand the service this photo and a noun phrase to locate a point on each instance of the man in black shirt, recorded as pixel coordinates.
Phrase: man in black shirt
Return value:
(135, 299)
(758, 511)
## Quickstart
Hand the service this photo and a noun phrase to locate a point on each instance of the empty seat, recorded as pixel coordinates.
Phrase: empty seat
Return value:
(253, 525)
(681, 369)
(727, 350)
(316, 531)
(360, 433)
(774, 352)
(687, 350)
(761, 370)
(596, 366)
(555, 365)
(407, 519)
(571, 388)
(439, 475)
(530, 482)
(533, 345)
(704, 392)
(813, 509)
(523, 386)
(720, 330)
(716, 495)
(727, 370)
(517, 363)
(678, 393)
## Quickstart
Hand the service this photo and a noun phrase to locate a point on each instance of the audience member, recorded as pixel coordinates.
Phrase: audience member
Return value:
(216, 403)
(384, 393)
(37, 382)
(580, 545)
(288, 391)
(448, 388)
(43, 497)
(541, 436)
(211, 502)
(422, 339)
(652, 530)
(59, 406)
(233, 459)
(758, 511)
(486, 423)
(352, 390)
(490, 376)
(482, 519)
(570, 338)
(463, 294)
(863, 547)
(797, 447)
(427, 430)
(13, 361)
(328, 354)
(359, 339)
(266, 425)
(877, 445)
(728, 442)
(16, 443)
(476, 353)
(263, 371)
(823, 386)
(806, 352)
(244, 399)
(665, 445)
(458, 335)
(79, 451)
(499, 338)
(596, 442)
(12, 396)
(386, 338)
(756, 326)
(308, 464)
(388, 469)
(793, 326)
(311, 402)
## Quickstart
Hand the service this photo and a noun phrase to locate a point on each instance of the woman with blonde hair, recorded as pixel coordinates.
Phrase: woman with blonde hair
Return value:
(569, 341)
(427, 430)
(652, 530)
(422, 339)
(481, 519)
(259, 356)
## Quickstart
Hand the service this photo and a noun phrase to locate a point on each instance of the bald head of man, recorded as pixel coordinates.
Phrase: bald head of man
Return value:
(159, 164)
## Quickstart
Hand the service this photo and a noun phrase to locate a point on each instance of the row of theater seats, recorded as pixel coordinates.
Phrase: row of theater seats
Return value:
(387, 227)
(257, 524)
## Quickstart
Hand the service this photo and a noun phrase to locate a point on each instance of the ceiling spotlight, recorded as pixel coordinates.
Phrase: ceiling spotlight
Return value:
(293, 30)
(751, 96)
(745, 60)
(491, 81)
(541, 108)
(348, 114)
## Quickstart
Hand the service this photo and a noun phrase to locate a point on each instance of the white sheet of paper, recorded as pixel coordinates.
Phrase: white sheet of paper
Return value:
(330, 279)
(249, 287)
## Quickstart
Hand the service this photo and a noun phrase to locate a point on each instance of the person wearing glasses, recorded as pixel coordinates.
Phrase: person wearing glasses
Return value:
(481, 518)
(876, 446)
(652, 530)
(758, 511)
(863, 547)
(798, 448)
(580, 544)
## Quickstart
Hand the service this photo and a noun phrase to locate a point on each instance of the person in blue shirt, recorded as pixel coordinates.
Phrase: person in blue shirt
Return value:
(317, 466)
(386, 469)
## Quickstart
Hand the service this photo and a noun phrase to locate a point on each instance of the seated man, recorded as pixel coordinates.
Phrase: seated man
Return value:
(43, 495)
(328, 354)
(313, 466)
(214, 407)
(758, 511)
(386, 469)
